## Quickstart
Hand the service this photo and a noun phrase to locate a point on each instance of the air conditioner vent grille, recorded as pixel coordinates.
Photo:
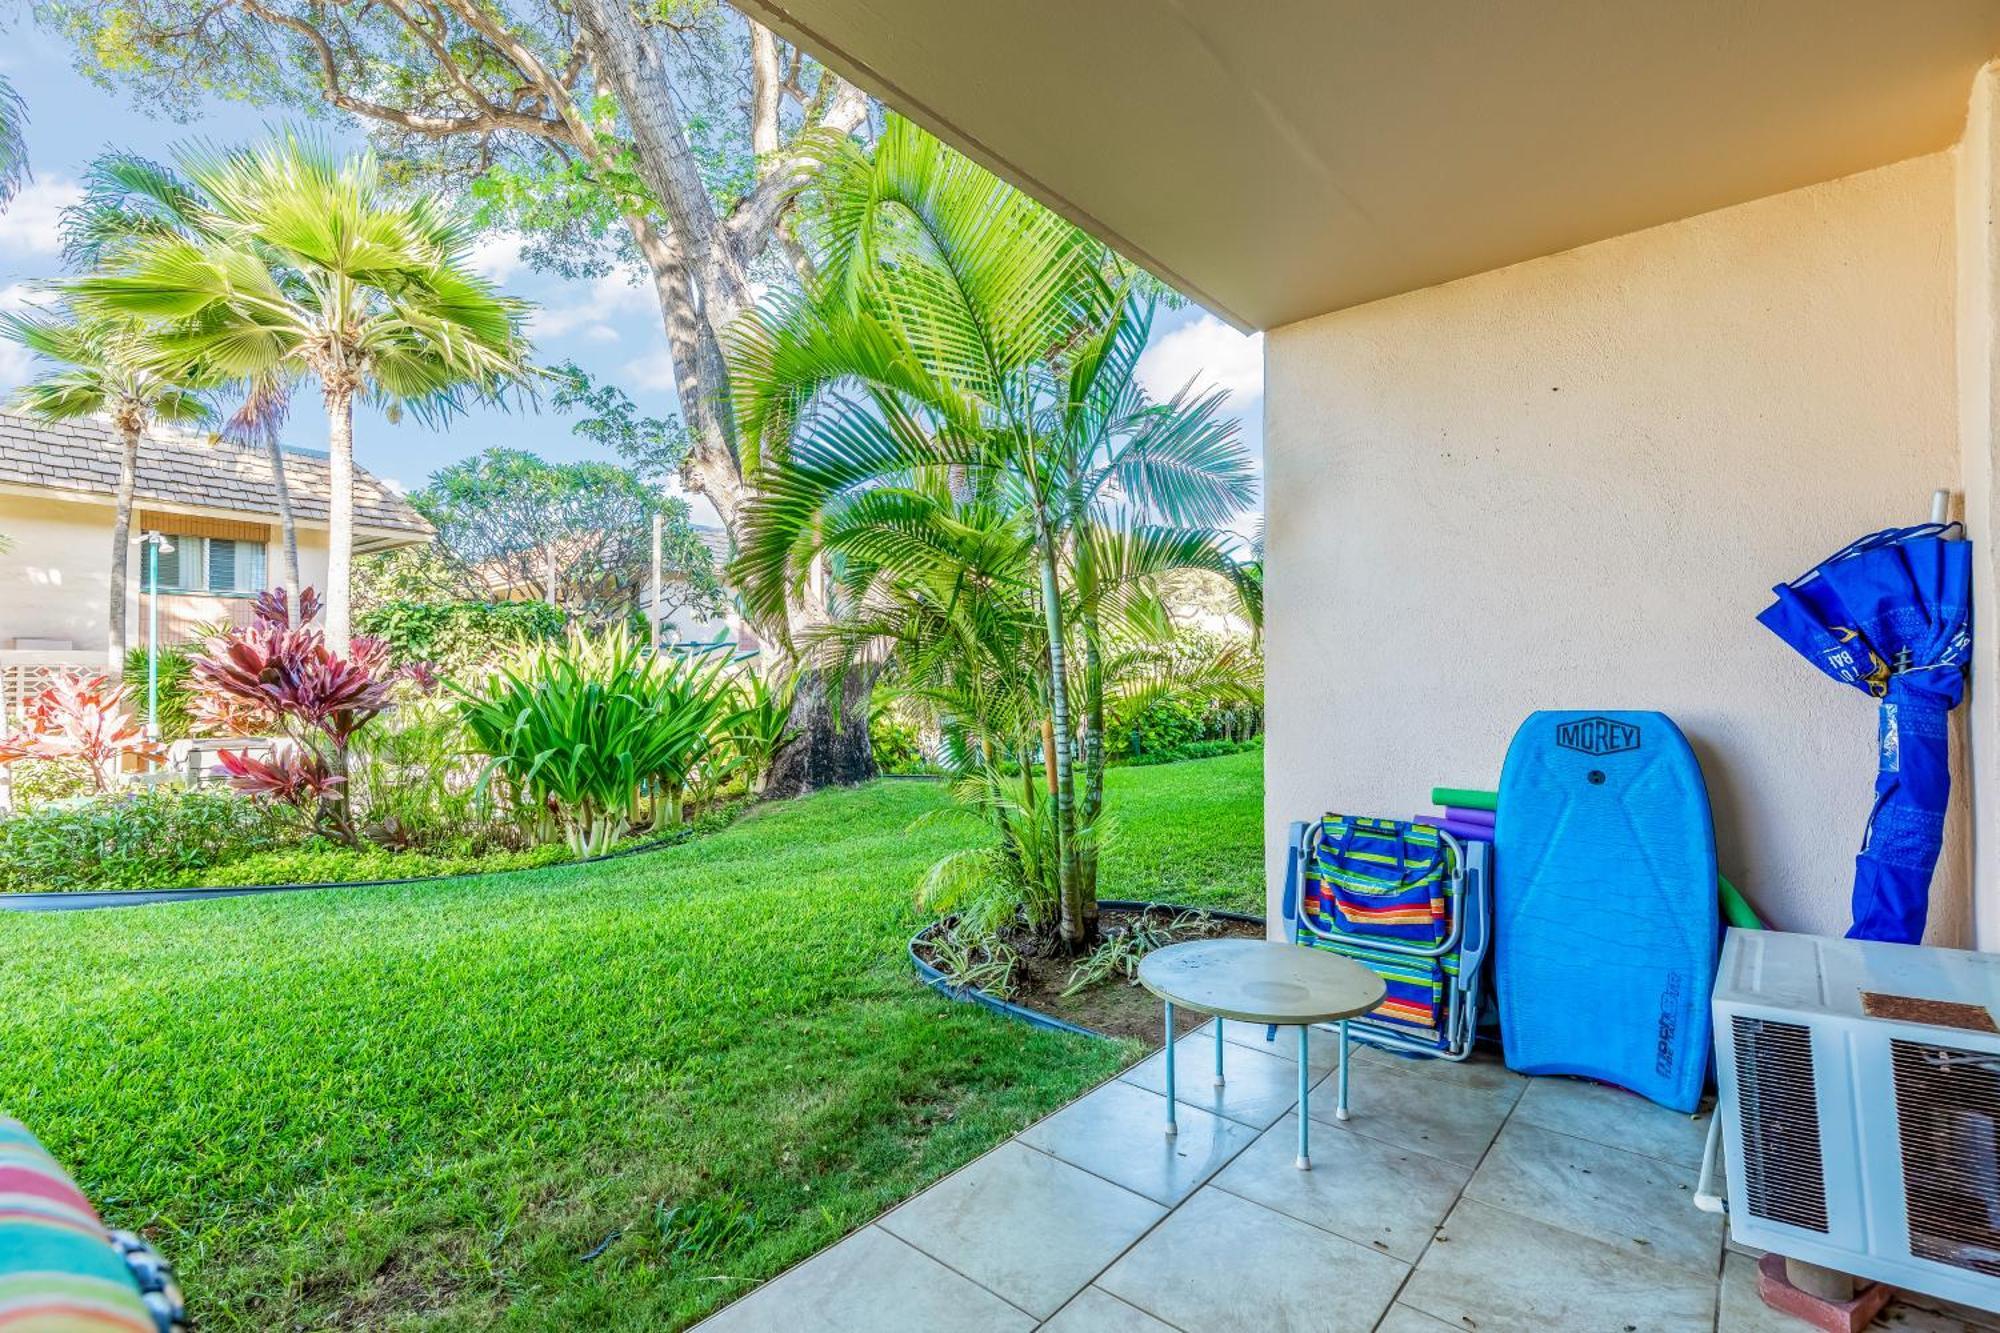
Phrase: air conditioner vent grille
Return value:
(1948, 1121)
(1784, 1174)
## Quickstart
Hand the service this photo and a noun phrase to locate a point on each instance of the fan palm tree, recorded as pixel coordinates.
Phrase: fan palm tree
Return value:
(100, 364)
(963, 338)
(310, 268)
(127, 199)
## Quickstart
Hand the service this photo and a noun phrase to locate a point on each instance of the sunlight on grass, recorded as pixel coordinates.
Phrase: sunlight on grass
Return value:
(422, 1106)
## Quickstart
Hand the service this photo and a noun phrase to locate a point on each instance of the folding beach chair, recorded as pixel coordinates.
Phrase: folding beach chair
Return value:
(1412, 903)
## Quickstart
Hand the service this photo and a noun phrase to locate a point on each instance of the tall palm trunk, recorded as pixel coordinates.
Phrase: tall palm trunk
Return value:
(1075, 913)
(287, 528)
(340, 514)
(121, 542)
(1093, 752)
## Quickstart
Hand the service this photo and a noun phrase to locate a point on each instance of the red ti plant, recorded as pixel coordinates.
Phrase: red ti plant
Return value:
(81, 718)
(276, 677)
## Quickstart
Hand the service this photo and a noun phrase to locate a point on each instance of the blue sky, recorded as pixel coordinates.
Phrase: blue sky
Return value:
(610, 327)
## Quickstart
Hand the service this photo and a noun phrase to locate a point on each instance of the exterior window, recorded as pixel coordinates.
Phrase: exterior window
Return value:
(211, 565)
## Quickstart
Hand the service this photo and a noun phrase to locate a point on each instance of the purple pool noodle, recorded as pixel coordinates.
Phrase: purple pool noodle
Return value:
(1459, 814)
(1469, 832)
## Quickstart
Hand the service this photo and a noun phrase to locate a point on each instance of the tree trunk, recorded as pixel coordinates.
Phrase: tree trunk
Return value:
(121, 545)
(340, 517)
(832, 748)
(1093, 759)
(1074, 921)
(288, 530)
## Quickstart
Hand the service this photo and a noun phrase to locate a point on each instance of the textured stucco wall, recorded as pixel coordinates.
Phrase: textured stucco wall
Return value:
(1978, 163)
(57, 572)
(1572, 482)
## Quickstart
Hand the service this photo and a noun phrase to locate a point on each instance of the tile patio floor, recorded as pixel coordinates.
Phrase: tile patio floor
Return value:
(1457, 1197)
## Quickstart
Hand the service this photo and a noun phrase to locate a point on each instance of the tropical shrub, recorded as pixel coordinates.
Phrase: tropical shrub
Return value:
(33, 782)
(288, 680)
(458, 637)
(144, 838)
(84, 720)
(759, 729)
(592, 728)
(897, 744)
(177, 692)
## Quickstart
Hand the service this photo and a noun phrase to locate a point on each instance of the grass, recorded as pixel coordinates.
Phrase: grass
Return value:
(424, 1107)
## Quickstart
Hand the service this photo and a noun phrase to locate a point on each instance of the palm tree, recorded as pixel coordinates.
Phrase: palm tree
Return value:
(963, 340)
(127, 199)
(309, 267)
(99, 364)
(13, 142)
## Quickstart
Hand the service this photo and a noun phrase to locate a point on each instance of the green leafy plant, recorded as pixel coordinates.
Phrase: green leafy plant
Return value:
(760, 728)
(458, 637)
(145, 838)
(591, 728)
(177, 692)
(974, 959)
(1119, 953)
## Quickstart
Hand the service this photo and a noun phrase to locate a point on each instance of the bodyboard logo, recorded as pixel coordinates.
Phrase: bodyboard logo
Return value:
(1597, 735)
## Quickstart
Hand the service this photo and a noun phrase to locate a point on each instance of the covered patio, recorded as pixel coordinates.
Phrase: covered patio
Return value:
(1456, 1197)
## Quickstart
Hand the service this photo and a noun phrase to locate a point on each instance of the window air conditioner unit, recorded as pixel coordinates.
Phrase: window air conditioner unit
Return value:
(1860, 1107)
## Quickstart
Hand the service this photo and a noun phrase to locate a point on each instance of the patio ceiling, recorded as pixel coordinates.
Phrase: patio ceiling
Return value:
(1287, 158)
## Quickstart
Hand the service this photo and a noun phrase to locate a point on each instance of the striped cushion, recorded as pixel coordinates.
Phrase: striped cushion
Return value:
(58, 1270)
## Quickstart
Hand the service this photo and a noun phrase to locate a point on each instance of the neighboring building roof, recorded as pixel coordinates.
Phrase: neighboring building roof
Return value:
(1283, 159)
(81, 457)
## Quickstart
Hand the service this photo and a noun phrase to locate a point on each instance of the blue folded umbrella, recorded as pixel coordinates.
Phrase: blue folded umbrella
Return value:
(1892, 615)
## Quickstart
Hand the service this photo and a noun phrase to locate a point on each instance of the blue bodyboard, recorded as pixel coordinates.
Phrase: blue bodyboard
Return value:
(1605, 914)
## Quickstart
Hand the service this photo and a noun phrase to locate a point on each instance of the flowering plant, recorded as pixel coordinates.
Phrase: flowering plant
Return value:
(272, 675)
(81, 718)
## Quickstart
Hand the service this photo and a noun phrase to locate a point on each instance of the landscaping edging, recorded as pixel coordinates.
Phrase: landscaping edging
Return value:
(87, 900)
(1020, 1013)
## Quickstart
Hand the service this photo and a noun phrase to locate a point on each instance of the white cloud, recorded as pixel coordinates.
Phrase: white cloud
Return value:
(1209, 352)
(31, 224)
(654, 370)
(496, 256)
(610, 297)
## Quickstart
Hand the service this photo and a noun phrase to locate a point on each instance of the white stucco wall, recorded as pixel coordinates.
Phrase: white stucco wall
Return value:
(56, 573)
(1571, 484)
(1978, 228)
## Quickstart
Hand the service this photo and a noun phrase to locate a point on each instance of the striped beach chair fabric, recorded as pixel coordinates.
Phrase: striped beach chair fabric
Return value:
(1408, 901)
(61, 1271)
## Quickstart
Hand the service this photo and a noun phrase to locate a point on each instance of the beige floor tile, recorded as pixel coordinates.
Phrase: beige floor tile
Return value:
(1636, 1203)
(1097, 1311)
(1615, 1118)
(1371, 1192)
(1025, 1226)
(870, 1283)
(1500, 1273)
(1224, 1263)
(1118, 1132)
(1257, 1088)
(1415, 1108)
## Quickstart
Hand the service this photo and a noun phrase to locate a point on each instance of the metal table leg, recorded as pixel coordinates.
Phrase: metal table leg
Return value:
(1340, 1107)
(1172, 1127)
(1305, 1083)
(1218, 1050)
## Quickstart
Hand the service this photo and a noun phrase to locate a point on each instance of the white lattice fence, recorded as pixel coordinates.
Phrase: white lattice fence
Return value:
(24, 672)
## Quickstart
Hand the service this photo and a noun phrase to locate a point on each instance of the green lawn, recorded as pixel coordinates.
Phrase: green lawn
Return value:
(421, 1107)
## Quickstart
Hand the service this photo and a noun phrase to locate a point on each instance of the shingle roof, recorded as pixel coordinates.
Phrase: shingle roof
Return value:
(82, 457)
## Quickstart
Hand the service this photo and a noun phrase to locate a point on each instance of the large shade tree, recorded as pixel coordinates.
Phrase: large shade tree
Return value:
(104, 365)
(669, 138)
(312, 267)
(577, 534)
(963, 346)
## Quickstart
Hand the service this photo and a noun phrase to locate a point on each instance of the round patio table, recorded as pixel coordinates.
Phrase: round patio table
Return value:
(1262, 981)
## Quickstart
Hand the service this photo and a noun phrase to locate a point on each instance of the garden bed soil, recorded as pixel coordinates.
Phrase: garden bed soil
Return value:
(1116, 1007)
